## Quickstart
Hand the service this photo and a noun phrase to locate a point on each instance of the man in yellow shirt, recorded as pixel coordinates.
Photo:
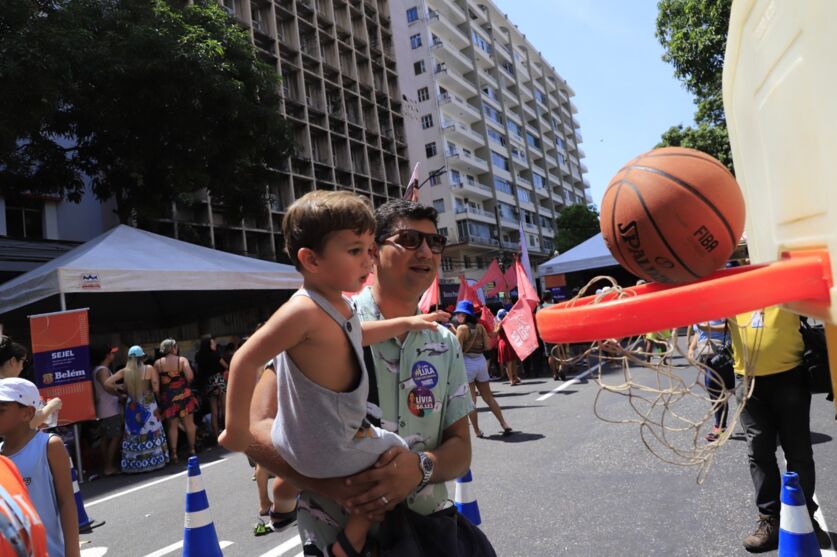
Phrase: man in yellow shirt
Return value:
(767, 344)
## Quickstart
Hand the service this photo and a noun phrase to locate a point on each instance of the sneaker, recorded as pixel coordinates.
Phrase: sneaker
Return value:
(714, 434)
(823, 537)
(765, 537)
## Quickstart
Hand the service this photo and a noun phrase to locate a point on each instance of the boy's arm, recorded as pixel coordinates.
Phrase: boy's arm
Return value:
(59, 466)
(379, 331)
(286, 328)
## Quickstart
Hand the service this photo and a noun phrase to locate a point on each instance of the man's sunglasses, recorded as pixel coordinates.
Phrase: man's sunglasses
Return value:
(412, 239)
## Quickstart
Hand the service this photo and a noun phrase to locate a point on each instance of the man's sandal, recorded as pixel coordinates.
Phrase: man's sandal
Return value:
(347, 547)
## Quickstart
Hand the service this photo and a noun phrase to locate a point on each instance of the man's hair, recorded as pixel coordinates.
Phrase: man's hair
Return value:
(316, 215)
(390, 213)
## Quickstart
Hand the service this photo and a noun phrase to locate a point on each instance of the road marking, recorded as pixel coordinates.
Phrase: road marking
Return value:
(565, 384)
(149, 484)
(94, 552)
(287, 545)
(177, 545)
(821, 519)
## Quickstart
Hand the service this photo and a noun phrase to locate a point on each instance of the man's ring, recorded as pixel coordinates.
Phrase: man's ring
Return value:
(384, 500)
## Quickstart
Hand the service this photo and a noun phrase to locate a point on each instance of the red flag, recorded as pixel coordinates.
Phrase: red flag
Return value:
(370, 280)
(467, 292)
(525, 290)
(511, 277)
(430, 297)
(487, 319)
(493, 274)
(412, 191)
(519, 325)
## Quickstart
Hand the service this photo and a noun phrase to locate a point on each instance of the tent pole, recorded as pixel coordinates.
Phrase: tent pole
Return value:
(63, 301)
(76, 428)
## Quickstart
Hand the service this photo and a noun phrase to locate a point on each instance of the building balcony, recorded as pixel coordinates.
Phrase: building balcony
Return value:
(445, 29)
(550, 162)
(526, 93)
(582, 167)
(478, 240)
(541, 191)
(453, 80)
(449, 9)
(530, 227)
(468, 161)
(472, 189)
(523, 181)
(483, 58)
(581, 154)
(462, 133)
(444, 51)
(456, 106)
(479, 13)
(548, 232)
(565, 113)
(521, 161)
(511, 98)
(487, 78)
(562, 95)
(535, 152)
(474, 213)
(586, 182)
(502, 50)
(510, 245)
(529, 112)
(578, 137)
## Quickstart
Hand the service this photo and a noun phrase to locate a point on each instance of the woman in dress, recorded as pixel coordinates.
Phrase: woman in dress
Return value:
(474, 339)
(211, 369)
(506, 356)
(144, 442)
(176, 397)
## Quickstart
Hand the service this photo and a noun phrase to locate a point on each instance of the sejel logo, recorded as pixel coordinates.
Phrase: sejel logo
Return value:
(90, 280)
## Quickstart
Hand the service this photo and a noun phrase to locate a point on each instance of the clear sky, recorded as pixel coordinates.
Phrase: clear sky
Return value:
(606, 50)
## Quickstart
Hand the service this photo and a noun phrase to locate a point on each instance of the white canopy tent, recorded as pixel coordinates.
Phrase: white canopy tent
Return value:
(127, 259)
(589, 254)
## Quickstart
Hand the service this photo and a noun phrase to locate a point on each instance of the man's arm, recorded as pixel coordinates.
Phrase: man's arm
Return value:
(396, 474)
(262, 412)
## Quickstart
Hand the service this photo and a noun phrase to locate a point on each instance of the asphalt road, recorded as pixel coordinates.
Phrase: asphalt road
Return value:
(567, 483)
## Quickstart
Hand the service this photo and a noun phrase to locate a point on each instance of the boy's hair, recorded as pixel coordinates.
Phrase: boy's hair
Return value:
(316, 215)
(388, 215)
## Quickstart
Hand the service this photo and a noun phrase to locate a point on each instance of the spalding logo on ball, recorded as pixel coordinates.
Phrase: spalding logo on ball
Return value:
(672, 215)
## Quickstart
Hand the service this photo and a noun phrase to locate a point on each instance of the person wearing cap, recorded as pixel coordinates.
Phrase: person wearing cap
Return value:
(12, 357)
(144, 442)
(108, 407)
(473, 338)
(43, 463)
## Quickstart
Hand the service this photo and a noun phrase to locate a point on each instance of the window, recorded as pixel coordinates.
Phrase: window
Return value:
(412, 14)
(514, 128)
(435, 180)
(532, 240)
(439, 205)
(509, 67)
(562, 159)
(423, 94)
(24, 219)
(415, 41)
(540, 96)
(455, 177)
(524, 195)
(426, 121)
(503, 186)
(489, 92)
(561, 143)
(507, 211)
(430, 150)
(480, 42)
(496, 136)
(447, 263)
(466, 261)
(492, 113)
(480, 262)
(443, 231)
(499, 160)
(418, 67)
(538, 180)
(532, 140)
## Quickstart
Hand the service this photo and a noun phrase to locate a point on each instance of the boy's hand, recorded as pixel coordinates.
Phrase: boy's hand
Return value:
(427, 321)
(235, 438)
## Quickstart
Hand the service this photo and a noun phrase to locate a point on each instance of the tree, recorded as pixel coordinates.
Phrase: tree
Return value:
(694, 36)
(575, 224)
(150, 100)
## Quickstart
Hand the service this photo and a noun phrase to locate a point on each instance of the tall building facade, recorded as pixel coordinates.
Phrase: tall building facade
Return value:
(484, 105)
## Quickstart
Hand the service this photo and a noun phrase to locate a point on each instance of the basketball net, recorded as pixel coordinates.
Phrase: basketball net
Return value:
(669, 401)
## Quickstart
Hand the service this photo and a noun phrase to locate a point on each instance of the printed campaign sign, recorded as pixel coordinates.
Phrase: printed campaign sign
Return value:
(61, 354)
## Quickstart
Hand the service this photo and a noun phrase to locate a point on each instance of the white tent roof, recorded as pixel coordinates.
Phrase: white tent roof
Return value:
(126, 259)
(589, 254)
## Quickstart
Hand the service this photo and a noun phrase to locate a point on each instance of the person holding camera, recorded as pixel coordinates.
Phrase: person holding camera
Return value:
(711, 347)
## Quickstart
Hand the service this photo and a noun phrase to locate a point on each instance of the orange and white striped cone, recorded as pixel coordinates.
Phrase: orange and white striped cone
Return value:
(465, 500)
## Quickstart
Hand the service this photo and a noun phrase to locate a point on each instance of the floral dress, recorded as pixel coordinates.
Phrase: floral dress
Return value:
(176, 397)
(144, 445)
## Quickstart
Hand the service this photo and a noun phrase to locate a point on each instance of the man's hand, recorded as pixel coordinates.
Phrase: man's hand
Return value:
(235, 438)
(394, 477)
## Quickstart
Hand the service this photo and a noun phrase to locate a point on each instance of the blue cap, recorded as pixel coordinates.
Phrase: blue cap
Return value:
(466, 307)
(501, 314)
(136, 352)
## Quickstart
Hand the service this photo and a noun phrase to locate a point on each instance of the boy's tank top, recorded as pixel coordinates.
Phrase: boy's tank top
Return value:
(314, 424)
(32, 463)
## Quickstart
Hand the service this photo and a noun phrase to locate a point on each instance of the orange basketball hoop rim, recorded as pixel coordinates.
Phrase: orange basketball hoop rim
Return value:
(798, 276)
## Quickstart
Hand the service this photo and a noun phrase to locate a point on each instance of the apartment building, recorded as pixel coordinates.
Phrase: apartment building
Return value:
(498, 118)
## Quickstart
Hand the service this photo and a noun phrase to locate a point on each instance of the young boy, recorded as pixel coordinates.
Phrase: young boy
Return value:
(320, 427)
(48, 479)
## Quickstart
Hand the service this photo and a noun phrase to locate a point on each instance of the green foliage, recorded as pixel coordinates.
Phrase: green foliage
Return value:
(694, 35)
(151, 100)
(575, 224)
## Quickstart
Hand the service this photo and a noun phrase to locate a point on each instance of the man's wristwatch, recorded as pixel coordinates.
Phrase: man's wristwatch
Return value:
(426, 468)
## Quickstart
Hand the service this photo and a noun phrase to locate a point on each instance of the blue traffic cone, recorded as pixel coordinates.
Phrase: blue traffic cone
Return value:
(465, 500)
(199, 537)
(85, 523)
(796, 533)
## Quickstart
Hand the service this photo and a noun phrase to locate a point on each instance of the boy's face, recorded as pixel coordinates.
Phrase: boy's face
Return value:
(12, 415)
(346, 259)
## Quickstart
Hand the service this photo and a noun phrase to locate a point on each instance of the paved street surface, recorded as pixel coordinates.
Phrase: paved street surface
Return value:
(567, 484)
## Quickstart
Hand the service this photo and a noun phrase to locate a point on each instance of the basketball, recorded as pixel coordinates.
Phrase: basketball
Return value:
(672, 215)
